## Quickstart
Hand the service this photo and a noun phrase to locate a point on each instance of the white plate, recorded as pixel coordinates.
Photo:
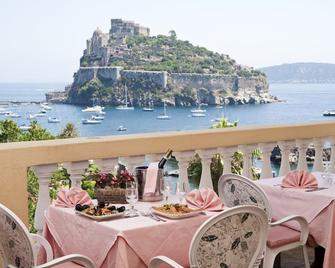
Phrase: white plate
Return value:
(175, 215)
(101, 218)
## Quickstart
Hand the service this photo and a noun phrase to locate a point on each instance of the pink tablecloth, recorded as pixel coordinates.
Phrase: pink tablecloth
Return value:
(317, 207)
(120, 242)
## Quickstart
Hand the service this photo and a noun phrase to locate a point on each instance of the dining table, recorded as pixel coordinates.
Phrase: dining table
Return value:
(316, 204)
(125, 242)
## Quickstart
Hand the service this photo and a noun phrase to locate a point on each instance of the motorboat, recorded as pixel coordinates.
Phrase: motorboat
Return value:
(39, 115)
(164, 116)
(198, 115)
(329, 113)
(198, 110)
(45, 106)
(31, 116)
(125, 106)
(12, 115)
(43, 111)
(94, 109)
(90, 121)
(121, 128)
(101, 113)
(53, 120)
(24, 127)
(97, 117)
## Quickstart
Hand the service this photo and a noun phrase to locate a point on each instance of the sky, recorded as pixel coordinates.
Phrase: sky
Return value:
(43, 40)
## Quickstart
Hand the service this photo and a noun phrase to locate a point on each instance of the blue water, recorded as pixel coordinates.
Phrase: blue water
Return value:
(303, 103)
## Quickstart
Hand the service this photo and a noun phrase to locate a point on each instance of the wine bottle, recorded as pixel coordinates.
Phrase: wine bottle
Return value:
(167, 155)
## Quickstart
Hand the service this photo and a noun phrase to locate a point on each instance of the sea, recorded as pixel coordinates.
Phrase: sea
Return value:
(300, 103)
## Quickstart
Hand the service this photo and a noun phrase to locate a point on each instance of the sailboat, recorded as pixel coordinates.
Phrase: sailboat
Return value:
(149, 108)
(164, 116)
(198, 110)
(125, 106)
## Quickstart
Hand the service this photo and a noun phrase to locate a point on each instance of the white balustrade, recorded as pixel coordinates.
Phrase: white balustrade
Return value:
(302, 149)
(183, 159)
(76, 170)
(285, 148)
(44, 174)
(227, 154)
(266, 149)
(247, 151)
(151, 158)
(206, 156)
(318, 158)
(107, 164)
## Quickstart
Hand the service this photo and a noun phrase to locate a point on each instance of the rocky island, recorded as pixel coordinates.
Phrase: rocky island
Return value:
(157, 69)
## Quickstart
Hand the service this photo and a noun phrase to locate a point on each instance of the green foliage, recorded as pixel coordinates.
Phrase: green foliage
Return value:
(69, 131)
(36, 133)
(9, 131)
(224, 123)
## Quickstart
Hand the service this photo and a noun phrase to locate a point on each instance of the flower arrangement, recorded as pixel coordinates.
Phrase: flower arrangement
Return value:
(118, 180)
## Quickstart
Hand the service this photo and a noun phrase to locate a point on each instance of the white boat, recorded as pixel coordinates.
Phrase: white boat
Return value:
(39, 115)
(198, 110)
(121, 128)
(43, 111)
(97, 117)
(125, 106)
(24, 127)
(164, 116)
(94, 109)
(12, 115)
(198, 115)
(329, 113)
(90, 121)
(45, 106)
(149, 108)
(101, 113)
(53, 120)
(219, 107)
(31, 116)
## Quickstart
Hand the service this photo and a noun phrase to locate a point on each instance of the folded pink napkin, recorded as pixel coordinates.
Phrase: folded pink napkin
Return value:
(67, 198)
(299, 179)
(151, 179)
(205, 199)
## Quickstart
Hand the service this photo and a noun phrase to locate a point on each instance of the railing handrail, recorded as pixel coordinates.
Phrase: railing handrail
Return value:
(77, 149)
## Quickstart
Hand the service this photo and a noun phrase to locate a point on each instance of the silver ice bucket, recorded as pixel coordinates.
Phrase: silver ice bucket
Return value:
(141, 173)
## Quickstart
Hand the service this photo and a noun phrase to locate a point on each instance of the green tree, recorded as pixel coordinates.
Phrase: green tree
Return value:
(36, 133)
(69, 131)
(9, 131)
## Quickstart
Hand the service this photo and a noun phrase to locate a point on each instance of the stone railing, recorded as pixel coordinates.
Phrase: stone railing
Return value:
(44, 157)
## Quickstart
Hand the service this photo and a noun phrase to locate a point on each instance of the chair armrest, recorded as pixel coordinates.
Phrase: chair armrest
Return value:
(156, 261)
(44, 243)
(304, 229)
(87, 262)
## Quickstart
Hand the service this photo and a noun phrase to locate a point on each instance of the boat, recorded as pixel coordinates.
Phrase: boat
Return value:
(101, 113)
(12, 114)
(198, 110)
(198, 115)
(39, 115)
(43, 111)
(90, 121)
(121, 128)
(97, 117)
(94, 109)
(31, 116)
(24, 127)
(53, 120)
(149, 108)
(45, 106)
(164, 116)
(125, 106)
(329, 113)
(219, 107)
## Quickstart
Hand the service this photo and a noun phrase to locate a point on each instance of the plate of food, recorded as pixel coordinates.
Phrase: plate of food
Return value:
(100, 212)
(176, 211)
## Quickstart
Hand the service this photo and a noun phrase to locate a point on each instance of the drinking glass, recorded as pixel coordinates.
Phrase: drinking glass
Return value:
(132, 196)
(180, 190)
(327, 179)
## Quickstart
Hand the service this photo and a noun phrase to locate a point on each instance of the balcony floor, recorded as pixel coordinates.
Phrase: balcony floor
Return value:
(294, 258)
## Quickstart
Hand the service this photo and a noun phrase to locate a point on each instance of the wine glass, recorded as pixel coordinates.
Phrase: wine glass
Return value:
(166, 191)
(132, 196)
(180, 190)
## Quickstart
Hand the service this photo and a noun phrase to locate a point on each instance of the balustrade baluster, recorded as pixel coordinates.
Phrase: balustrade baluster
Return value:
(151, 158)
(266, 149)
(318, 158)
(302, 149)
(247, 159)
(227, 154)
(131, 162)
(206, 160)
(76, 170)
(107, 164)
(285, 149)
(44, 174)
(183, 159)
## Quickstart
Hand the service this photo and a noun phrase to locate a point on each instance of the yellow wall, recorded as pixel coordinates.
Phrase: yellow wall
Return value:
(17, 157)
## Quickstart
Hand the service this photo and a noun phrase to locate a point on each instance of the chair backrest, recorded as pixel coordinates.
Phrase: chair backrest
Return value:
(235, 190)
(232, 238)
(15, 245)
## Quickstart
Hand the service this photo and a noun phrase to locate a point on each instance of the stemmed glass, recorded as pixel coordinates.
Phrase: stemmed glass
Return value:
(132, 196)
(180, 190)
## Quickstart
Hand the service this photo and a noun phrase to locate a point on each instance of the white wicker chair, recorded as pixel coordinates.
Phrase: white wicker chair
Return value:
(18, 248)
(232, 238)
(238, 190)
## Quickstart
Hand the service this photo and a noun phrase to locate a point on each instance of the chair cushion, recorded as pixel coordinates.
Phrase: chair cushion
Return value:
(281, 235)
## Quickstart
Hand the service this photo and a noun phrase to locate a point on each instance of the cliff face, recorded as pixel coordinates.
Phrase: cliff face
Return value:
(106, 85)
